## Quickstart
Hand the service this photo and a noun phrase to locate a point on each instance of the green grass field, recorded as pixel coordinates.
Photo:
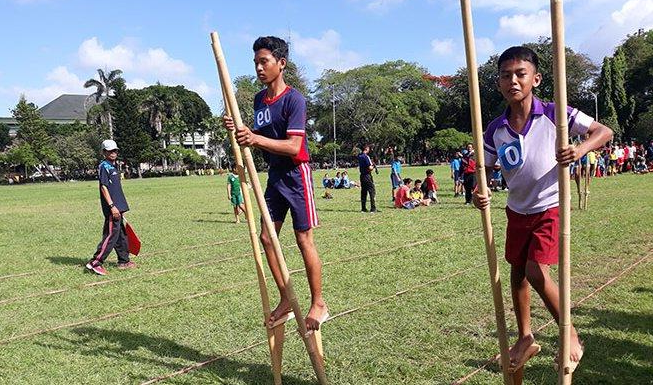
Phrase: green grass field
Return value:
(194, 296)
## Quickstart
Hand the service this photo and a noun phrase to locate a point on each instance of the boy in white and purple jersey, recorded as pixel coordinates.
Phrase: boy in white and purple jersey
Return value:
(279, 131)
(523, 140)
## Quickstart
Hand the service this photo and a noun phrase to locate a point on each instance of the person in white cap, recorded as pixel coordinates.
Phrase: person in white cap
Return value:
(114, 205)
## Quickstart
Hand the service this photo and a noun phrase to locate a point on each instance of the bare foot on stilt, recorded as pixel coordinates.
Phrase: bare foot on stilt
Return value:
(522, 351)
(316, 316)
(280, 313)
(576, 350)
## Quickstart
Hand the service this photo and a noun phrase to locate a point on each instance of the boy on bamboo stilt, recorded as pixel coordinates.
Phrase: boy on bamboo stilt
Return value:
(523, 140)
(279, 131)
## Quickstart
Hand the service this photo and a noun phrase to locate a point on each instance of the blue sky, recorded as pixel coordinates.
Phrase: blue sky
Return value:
(51, 47)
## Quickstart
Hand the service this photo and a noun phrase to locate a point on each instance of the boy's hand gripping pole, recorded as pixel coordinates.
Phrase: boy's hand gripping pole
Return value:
(490, 247)
(312, 341)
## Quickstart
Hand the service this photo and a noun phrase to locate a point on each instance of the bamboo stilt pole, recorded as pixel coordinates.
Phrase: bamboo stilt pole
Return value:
(275, 340)
(477, 132)
(309, 339)
(562, 140)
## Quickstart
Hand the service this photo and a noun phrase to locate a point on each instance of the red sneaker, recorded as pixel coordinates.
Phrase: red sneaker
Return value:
(126, 265)
(99, 270)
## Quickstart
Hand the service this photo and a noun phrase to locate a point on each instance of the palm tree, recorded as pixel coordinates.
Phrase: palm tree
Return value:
(104, 88)
(160, 106)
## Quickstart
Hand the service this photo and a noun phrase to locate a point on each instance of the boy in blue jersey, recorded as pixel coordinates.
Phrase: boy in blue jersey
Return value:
(523, 140)
(279, 131)
(395, 175)
(114, 205)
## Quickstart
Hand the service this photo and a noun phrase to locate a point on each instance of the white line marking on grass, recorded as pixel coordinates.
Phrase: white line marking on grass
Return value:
(193, 296)
(200, 365)
(50, 271)
(577, 304)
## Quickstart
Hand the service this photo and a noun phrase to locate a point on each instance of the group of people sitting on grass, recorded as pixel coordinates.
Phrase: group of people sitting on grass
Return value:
(410, 195)
(341, 180)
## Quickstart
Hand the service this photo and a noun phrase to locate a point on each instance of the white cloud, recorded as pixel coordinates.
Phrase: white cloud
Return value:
(157, 62)
(154, 62)
(442, 47)
(92, 54)
(382, 6)
(484, 46)
(634, 12)
(633, 15)
(137, 83)
(324, 52)
(379, 6)
(61, 81)
(525, 25)
(513, 5)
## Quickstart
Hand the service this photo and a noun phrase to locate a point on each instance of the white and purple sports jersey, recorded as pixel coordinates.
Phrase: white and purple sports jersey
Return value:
(278, 118)
(527, 159)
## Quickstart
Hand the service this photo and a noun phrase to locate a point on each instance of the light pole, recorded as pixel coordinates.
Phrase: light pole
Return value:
(333, 104)
(596, 106)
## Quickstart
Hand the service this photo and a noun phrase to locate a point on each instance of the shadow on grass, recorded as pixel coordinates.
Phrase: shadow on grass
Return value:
(607, 359)
(127, 347)
(213, 221)
(643, 290)
(67, 261)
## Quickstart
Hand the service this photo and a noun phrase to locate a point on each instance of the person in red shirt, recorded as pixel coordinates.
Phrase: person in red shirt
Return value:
(402, 196)
(430, 187)
(468, 167)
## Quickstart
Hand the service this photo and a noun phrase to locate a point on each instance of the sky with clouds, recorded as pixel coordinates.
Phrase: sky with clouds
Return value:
(51, 47)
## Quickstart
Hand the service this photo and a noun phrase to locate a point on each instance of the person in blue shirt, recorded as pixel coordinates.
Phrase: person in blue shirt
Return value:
(337, 181)
(280, 133)
(114, 205)
(365, 165)
(456, 175)
(395, 175)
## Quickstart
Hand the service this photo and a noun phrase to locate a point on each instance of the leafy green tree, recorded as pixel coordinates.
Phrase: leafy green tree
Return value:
(33, 130)
(5, 139)
(78, 152)
(160, 105)
(104, 87)
(449, 140)
(643, 130)
(132, 136)
(20, 154)
(607, 111)
(580, 74)
(386, 104)
(624, 105)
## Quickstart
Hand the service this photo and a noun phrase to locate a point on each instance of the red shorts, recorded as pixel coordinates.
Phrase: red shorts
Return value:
(532, 237)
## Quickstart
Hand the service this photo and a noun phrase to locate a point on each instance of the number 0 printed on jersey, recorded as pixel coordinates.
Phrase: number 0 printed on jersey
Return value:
(510, 155)
(262, 117)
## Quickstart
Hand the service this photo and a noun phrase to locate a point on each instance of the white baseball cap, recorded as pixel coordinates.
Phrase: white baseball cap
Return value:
(109, 145)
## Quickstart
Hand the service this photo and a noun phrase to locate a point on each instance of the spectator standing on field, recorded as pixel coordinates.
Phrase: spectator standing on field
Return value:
(114, 205)
(395, 175)
(365, 165)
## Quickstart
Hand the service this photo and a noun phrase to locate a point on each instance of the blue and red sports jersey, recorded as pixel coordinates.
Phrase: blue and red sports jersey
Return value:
(279, 118)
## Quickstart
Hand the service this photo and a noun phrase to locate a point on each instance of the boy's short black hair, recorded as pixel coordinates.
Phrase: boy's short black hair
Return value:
(418, 181)
(277, 46)
(519, 53)
(429, 172)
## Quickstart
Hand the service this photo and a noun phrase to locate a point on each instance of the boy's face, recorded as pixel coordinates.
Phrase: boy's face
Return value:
(418, 185)
(517, 79)
(267, 66)
(111, 155)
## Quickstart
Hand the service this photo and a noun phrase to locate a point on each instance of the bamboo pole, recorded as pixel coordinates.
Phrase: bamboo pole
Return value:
(276, 335)
(310, 340)
(562, 140)
(490, 247)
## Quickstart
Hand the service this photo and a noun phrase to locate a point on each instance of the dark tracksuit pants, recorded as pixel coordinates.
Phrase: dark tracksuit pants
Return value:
(113, 237)
(367, 186)
(468, 183)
